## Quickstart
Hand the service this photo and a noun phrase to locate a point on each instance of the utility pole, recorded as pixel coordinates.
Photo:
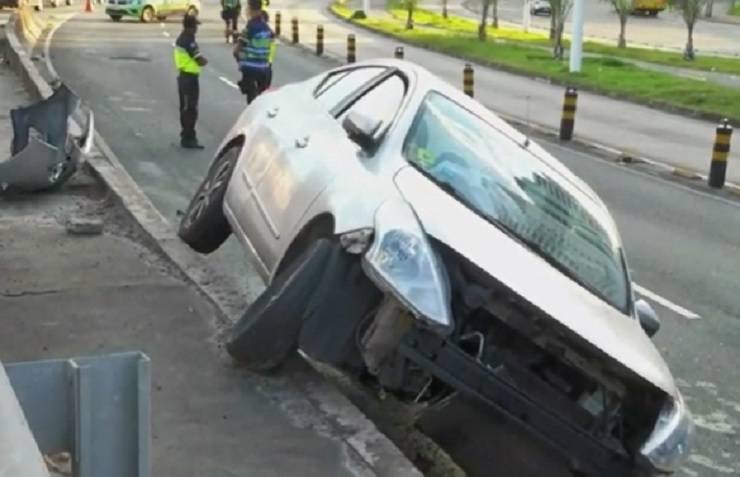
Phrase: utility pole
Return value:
(576, 41)
(526, 16)
(366, 7)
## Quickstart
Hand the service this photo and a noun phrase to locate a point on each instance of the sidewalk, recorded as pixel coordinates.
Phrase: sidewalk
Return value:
(631, 128)
(64, 295)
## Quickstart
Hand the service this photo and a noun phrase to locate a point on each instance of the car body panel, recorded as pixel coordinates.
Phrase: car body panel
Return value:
(133, 8)
(517, 267)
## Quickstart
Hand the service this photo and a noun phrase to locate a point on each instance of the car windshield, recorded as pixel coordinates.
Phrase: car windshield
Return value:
(519, 193)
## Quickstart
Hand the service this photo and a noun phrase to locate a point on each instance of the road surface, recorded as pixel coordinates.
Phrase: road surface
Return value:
(683, 246)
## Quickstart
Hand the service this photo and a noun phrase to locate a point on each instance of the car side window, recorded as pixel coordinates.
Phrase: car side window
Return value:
(382, 102)
(340, 85)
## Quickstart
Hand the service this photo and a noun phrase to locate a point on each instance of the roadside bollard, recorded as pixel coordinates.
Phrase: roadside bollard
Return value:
(568, 120)
(319, 40)
(351, 48)
(468, 81)
(294, 28)
(277, 24)
(718, 167)
(398, 54)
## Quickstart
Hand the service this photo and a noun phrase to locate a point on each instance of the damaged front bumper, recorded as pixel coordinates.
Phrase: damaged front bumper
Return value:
(44, 153)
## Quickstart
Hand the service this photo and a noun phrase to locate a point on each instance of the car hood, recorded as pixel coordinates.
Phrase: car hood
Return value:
(524, 272)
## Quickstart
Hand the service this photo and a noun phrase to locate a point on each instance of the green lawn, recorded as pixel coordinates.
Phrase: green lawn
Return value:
(464, 25)
(608, 75)
(735, 9)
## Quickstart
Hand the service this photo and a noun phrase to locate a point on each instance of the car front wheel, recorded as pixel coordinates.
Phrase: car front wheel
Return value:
(204, 227)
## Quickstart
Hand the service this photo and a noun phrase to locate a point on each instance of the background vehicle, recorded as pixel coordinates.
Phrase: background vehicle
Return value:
(649, 7)
(415, 240)
(149, 10)
(540, 7)
(8, 3)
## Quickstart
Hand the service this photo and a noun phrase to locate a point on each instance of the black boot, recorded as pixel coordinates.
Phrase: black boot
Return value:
(191, 143)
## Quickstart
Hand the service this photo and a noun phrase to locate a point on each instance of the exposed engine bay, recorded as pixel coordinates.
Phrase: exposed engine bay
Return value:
(571, 394)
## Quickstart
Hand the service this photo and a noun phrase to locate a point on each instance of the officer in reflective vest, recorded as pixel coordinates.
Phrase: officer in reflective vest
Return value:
(188, 61)
(253, 52)
(230, 11)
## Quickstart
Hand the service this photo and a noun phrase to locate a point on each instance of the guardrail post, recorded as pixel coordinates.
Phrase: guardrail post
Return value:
(277, 24)
(568, 119)
(294, 28)
(398, 54)
(468, 80)
(351, 48)
(718, 167)
(320, 40)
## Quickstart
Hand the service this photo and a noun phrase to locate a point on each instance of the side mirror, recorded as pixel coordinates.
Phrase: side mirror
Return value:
(361, 129)
(648, 318)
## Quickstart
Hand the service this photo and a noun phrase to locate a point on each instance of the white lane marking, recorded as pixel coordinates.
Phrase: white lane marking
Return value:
(678, 309)
(47, 45)
(135, 109)
(166, 34)
(229, 82)
(161, 24)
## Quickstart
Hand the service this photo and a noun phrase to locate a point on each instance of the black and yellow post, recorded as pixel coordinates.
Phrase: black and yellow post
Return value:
(718, 168)
(294, 29)
(319, 40)
(568, 120)
(277, 24)
(351, 48)
(468, 81)
(398, 54)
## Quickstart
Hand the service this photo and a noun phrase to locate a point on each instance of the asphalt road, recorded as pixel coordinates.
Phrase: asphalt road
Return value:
(683, 246)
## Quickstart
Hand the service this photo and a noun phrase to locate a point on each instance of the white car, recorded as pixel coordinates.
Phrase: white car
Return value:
(540, 7)
(409, 234)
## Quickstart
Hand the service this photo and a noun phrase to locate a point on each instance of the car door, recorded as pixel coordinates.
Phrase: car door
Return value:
(289, 165)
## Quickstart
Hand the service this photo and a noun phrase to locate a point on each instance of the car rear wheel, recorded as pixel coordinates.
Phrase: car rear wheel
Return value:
(268, 331)
(204, 227)
(147, 15)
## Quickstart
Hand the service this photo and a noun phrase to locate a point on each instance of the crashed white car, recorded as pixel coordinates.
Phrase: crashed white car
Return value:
(410, 235)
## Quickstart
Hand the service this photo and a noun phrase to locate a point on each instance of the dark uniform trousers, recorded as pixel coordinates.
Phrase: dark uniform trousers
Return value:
(254, 81)
(188, 88)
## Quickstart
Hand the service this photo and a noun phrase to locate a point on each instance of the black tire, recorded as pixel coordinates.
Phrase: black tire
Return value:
(147, 15)
(204, 227)
(161, 18)
(268, 331)
(116, 18)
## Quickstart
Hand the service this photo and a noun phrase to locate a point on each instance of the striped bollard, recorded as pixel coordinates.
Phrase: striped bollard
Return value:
(718, 167)
(351, 48)
(398, 54)
(294, 28)
(277, 24)
(468, 80)
(568, 119)
(319, 40)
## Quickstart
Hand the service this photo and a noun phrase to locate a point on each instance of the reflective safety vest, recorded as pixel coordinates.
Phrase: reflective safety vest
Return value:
(185, 63)
(258, 51)
(271, 56)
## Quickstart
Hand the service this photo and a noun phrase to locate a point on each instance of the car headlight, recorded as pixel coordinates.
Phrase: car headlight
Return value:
(401, 261)
(672, 438)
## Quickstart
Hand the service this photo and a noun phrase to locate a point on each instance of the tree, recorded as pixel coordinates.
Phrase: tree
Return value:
(560, 11)
(482, 34)
(410, 6)
(708, 11)
(494, 13)
(690, 11)
(444, 8)
(624, 10)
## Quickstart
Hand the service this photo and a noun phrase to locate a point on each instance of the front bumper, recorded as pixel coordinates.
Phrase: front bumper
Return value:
(469, 377)
(123, 10)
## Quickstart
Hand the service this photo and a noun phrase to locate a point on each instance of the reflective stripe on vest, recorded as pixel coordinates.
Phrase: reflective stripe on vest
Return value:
(185, 63)
(256, 51)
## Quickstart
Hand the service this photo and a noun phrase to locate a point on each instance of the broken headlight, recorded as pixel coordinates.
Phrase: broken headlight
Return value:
(670, 443)
(401, 261)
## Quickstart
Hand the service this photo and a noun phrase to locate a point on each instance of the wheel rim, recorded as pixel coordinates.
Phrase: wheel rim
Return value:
(147, 15)
(217, 178)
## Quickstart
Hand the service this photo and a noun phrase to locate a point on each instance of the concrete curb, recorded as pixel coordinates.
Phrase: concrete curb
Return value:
(357, 432)
(657, 105)
(617, 155)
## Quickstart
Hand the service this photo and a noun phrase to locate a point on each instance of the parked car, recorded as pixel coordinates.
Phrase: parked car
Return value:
(411, 237)
(149, 10)
(8, 4)
(540, 7)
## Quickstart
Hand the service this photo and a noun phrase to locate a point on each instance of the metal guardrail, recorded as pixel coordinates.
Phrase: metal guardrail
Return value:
(95, 408)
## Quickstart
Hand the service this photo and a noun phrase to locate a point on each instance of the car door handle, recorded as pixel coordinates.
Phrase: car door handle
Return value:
(273, 112)
(302, 142)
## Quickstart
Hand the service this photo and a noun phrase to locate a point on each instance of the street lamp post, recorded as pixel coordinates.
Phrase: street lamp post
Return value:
(526, 16)
(366, 7)
(576, 42)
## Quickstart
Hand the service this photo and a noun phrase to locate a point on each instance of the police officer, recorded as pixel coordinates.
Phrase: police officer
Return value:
(230, 11)
(188, 61)
(253, 52)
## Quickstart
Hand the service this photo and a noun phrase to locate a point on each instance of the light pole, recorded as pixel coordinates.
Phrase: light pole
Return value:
(526, 16)
(366, 7)
(576, 41)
